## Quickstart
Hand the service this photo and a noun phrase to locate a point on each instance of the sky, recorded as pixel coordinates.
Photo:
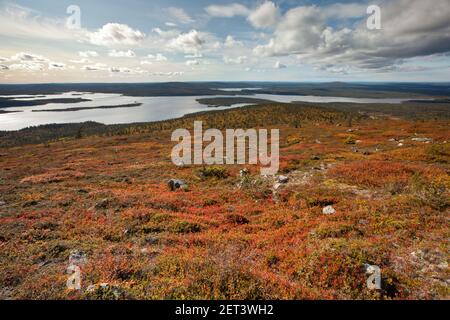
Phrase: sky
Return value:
(252, 40)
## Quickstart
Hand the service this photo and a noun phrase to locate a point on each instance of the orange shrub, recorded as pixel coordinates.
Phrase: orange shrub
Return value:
(376, 173)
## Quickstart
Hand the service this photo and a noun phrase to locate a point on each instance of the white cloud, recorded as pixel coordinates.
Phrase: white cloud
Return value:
(190, 42)
(230, 42)
(407, 32)
(179, 15)
(119, 70)
(122, 54)
(27, 66)
(345, 10)
(334, 69)
(116, 34)
(192, 63)
(194, 56)
(158, 57)
(56, 65)
(95, 67)
(81, 61)
(166, 33)
(3, 67)
(170, 24)
(146, 62)
(227, 11)
(238, 60)
(3, 59)
(167, 74)
(264, 16)
(87, 54)
(279, 65)
(28, 57)
(18, 21)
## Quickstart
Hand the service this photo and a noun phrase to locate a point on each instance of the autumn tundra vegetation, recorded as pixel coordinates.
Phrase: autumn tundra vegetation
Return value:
(355, 188)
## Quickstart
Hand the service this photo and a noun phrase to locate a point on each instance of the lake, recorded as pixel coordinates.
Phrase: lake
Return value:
(152, 108)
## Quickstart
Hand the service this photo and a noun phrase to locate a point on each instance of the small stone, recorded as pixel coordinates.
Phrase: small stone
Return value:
(175, 184)
(400, 144)
(425, 140)
(2, 203)
(91, 288)
(315, 158)
(283, 179)
(244, 172)
(144, 250)
(77, 257)
(328, 210)
(318, 141)
(277, 186)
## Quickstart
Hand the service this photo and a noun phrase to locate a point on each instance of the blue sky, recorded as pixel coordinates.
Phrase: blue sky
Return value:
(136, 40)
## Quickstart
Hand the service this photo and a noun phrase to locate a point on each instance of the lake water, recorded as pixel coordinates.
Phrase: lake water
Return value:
(152, 108)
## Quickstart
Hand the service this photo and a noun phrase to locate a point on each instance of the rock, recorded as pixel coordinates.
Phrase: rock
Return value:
(400, 144)
(175, 184)
(283, 179)
(2, 203)
(392, 140)
(244, 172)
(426, 140)
(105, 291)
(77, 257)
(318, 141)
(277, 186)
(315, 158)
(91, 288)
(328, 210)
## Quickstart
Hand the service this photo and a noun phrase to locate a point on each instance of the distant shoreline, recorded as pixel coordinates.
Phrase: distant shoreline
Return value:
(11, 103)
(130, 105)
(5, 112)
